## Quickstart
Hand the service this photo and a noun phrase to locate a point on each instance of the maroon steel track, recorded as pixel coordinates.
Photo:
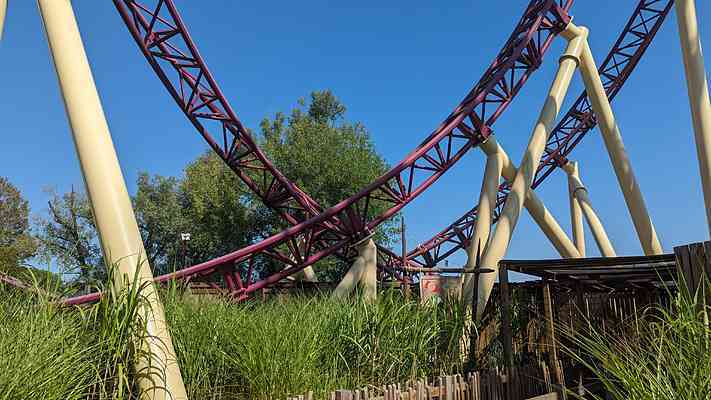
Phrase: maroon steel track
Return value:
(577, 122)
(325, 233)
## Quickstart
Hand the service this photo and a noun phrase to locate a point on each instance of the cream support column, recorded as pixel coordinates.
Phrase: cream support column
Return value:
(581, 196)
(524, 176)
(497, 156)
(364, 271)
(538, 211)
(120, 240)
(618, 156)
(576, 215)
(350, 279)
(369, 278)
(698, 92)
(485, 216)
(3, 13)
(309, 274)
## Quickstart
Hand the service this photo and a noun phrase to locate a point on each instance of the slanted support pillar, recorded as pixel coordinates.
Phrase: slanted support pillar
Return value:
(350, 280)
(115, 221)
(369, 279)
(364, 271)
(576, 214)
(698, 92)
(618, 155)
(485, 215)
(524, 176)
(538, 211)
(3, 13)
(580, 194)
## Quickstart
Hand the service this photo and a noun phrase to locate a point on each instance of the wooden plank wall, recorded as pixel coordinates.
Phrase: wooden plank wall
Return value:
(694, 263)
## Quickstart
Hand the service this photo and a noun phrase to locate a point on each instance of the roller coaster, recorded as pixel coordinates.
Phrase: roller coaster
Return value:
(345, 229)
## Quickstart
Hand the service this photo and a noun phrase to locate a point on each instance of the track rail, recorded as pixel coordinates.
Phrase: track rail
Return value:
(614, 71)
(165, 42)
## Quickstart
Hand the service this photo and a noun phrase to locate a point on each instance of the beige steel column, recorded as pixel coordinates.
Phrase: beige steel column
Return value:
(581, 195)
(538, 211)
(350, 279)
(369, 278)
(309, 274)
(524, 176)
(3, 13)
(364, 271)
(576, 216)
(120, 239)
(618, 156)
(698, 92)
(485, 216)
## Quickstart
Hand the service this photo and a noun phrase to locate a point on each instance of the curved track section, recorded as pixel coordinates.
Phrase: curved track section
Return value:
(619, 64)
(166, 44)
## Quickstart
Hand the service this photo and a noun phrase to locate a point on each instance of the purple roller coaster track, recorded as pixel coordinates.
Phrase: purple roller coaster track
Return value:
(314, 232)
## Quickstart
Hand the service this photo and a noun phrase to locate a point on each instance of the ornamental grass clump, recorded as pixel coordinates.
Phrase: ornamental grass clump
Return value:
(295, 344)
(663, 354)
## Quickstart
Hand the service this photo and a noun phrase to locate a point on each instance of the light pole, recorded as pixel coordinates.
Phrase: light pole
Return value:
(184, 239)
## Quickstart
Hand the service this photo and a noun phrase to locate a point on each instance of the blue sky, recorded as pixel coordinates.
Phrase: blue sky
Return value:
(400, 68)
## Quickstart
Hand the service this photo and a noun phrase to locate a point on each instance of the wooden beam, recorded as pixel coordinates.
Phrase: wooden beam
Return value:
(505, 293)
(550, 336)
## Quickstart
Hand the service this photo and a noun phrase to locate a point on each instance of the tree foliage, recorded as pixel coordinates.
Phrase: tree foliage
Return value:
(68, 236)
(16, 242)
(327, 156)
(158, 206)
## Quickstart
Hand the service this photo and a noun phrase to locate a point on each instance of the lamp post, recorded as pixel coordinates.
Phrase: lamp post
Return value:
(184, 239)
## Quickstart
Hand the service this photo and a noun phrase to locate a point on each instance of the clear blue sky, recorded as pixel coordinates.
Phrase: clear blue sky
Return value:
(400, 68)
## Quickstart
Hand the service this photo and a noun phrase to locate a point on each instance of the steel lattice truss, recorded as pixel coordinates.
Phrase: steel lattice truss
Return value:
(316, 233)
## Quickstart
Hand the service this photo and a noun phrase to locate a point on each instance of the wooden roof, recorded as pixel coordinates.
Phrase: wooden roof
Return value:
(602, 273)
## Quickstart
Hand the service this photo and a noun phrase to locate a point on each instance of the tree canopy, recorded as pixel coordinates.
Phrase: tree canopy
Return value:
(16, 241)
(315, 146)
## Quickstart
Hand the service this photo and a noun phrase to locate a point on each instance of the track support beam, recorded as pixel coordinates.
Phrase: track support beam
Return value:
(580, 193)
(3, 13)
(485, 217)
(364, 271)
(524, 176)
(115, 221)
(538, 211)
(618, 155)
(576, 214)
(698, 92)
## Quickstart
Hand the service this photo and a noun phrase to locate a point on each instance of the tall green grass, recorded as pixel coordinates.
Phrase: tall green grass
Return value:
(663, 354)
(52, 352)
(255, 350)
(295, 344)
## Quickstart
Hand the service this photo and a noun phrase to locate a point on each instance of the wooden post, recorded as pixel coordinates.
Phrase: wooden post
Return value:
(403, 241)
(550, 336)
(506, 314)
(694, 268)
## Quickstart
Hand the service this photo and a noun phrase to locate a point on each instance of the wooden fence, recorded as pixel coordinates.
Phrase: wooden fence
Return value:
(515, 384)
(694, 263)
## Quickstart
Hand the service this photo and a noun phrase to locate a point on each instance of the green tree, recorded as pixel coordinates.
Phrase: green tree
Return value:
(217, 207)
(16, 242)
(327, 156)
(68, 235)
(158, 205)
